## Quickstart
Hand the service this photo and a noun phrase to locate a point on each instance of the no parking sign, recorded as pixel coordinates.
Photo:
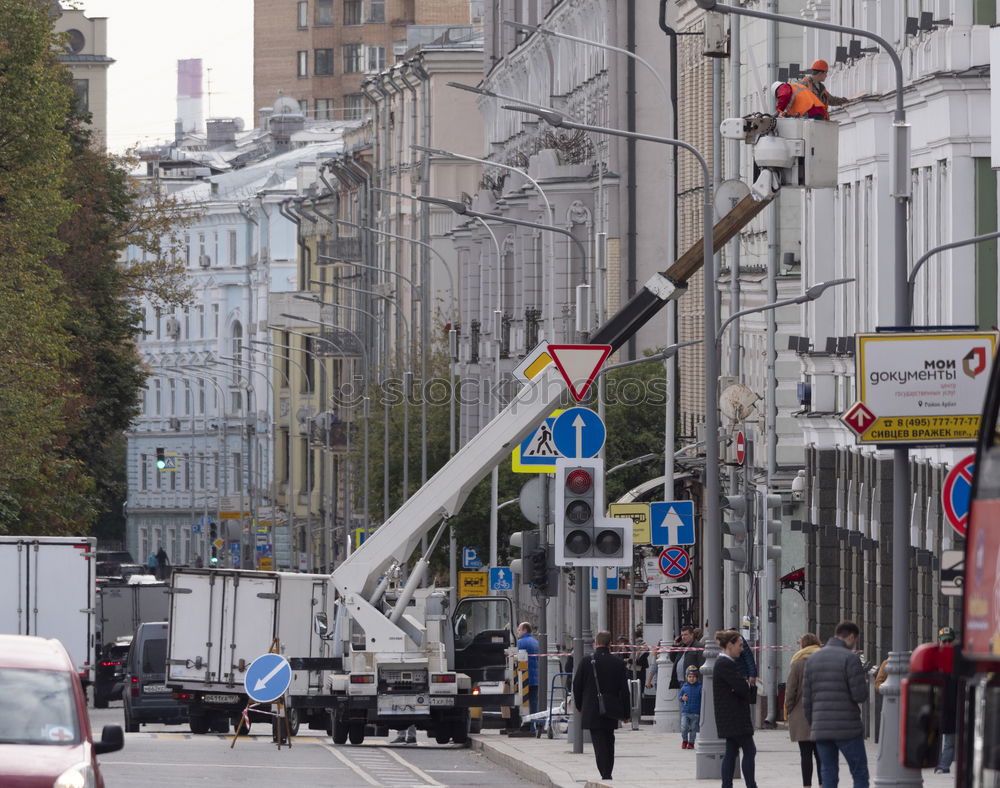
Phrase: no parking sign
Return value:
(956, 492)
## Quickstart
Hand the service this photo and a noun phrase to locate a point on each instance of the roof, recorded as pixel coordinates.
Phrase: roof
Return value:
(26, 651)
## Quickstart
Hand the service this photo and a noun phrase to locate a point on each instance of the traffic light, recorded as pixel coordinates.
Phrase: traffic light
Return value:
(526, 542)
(584, 536)
(539, 569)
(161, 458)
(735, 506)
(770, 546)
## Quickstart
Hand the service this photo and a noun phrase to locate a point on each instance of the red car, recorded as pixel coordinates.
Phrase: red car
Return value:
(45, 738)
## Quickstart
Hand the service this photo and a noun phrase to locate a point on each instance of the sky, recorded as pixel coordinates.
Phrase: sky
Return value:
(146, 38)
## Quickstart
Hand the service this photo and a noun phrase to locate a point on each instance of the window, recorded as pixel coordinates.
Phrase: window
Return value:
(302, 15)
(324, 109)
(304, 107)
(352, 58)
(187, 323)
(232, 247)
(303, 63)
(201, 320)
(81, 95)
(143, 472)
(215, 320)
(352, 12)
(187, 471)
(376, 58)
(215, 468)
(352, 106)
(157, 398)
(237, 470)
(323, 66)
(376, 10)
(324, 13)
(201, 397)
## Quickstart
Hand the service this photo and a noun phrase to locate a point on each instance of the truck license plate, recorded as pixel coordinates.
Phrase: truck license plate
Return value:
(403, 704)
(155, 689)
(218, 699)
(443, 701)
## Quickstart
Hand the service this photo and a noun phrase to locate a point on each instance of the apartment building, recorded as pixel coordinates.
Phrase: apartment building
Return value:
(86, 56)
(318, 52)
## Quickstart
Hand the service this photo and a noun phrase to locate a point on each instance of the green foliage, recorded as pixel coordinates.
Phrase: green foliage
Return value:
(69, 374)
(635, 412)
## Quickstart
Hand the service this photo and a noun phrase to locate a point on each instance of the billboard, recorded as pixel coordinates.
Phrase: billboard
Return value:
(920, 388)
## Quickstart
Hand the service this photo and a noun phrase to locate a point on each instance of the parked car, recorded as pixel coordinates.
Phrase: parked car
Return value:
(146, 695)
(109, 562)
(109, 677)
(45, 736)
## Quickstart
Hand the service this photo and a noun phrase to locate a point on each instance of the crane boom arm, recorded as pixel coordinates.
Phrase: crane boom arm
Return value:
(445, 492)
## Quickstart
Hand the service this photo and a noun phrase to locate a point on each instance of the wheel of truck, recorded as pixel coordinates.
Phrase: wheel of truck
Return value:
(476, 725)
(198, 724)
(100, 701)
(131, 726)
(442, 732)
(221, 725)
(356, 733)
(338, 729)
(460, 728)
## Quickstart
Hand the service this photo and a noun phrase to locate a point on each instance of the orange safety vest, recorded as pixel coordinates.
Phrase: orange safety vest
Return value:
(803, 99)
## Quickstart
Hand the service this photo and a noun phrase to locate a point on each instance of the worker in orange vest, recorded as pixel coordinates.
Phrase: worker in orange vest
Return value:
(808, 98)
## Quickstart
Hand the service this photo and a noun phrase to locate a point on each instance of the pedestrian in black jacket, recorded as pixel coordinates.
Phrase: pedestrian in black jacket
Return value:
(611, 679)
(731, 697)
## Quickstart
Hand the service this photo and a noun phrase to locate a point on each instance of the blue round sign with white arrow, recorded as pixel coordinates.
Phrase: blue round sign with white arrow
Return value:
(268, 678)
(579, 433)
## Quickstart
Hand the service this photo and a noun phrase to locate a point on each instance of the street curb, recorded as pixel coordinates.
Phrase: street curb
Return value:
(516, 765)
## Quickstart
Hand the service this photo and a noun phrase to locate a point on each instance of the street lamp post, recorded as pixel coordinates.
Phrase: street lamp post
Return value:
(889, 770)
(709, 747)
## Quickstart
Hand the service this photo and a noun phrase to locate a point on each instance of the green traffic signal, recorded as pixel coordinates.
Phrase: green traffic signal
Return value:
(161, 458)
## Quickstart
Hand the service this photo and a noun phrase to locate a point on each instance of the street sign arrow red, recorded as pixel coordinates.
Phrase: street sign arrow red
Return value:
(859, 418)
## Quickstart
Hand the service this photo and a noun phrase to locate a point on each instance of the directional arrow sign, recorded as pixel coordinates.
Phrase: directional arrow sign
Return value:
(859, 418)
(579, 365)
(672, 522)
(579, 433)
(268, 678)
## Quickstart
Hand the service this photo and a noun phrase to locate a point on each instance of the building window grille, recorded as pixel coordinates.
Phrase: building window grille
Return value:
(474, 343)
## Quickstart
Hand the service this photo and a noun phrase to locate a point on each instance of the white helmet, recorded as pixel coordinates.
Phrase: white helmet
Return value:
(775, 86)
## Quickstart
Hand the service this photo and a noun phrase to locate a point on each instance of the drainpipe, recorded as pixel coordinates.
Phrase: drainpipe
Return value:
(285, 208)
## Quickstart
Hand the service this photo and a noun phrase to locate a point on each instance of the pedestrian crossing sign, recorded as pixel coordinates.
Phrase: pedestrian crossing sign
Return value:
(537, 453)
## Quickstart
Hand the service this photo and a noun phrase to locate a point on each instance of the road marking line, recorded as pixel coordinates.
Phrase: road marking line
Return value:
(416, 770)
(357, 769)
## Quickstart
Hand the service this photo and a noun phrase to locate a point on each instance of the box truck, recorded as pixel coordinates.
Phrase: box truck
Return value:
(48, 584)
(221, 620)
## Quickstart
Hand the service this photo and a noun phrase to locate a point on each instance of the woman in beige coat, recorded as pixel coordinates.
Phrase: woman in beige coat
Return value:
(798, 726)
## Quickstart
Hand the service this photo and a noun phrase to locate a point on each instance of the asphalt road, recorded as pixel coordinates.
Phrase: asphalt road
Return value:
(165, 755)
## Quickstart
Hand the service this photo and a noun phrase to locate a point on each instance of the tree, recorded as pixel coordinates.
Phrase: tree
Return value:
(70, 378)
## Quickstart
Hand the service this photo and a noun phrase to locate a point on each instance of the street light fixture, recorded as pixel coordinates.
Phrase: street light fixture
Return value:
(889, 771)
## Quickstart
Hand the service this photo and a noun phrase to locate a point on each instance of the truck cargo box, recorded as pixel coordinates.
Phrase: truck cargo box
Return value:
(48, 585)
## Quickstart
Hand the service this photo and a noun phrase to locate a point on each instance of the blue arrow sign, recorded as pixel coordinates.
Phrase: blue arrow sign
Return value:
(579, 433)
(501, 578)
(671, 522)
(268, 678)
(471, 559)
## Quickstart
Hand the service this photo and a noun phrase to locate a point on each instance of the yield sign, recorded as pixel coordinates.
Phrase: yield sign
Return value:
(741, 447)
(956, 493)
(579, 365)
(674, 562)
(858, 418)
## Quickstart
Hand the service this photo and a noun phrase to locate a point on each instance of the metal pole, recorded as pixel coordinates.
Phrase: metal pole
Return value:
(579, 575)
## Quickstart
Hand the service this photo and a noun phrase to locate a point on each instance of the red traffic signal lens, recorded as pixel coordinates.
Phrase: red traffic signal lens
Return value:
(577, 543)
(609, 542)
(579, 481)
(579, 512)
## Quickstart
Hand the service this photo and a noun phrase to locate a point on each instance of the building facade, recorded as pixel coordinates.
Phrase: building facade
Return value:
(318, 52)
(86, 56)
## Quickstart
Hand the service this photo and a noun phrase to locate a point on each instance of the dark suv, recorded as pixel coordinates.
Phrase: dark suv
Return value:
(146, 696)
(109, 562)
(109, 676)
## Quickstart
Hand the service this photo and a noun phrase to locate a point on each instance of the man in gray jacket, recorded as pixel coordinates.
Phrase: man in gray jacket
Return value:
(833, 689)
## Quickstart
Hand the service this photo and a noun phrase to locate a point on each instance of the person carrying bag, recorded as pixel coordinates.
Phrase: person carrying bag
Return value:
(600, 694)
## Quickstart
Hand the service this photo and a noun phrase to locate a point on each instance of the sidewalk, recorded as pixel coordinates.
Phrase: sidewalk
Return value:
(646, 759)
